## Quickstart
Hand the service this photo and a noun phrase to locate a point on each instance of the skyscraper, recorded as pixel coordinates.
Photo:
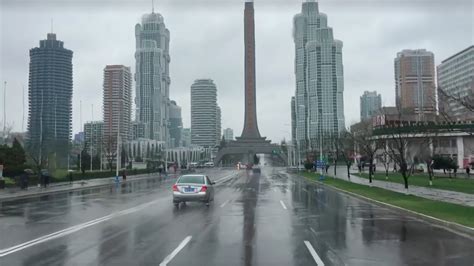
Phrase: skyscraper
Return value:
(117, 104)
(185, 137)
(456, 78)
(203, 113)
(319, 105)
(152, 76)
(218, 125)
(50, 100)
(228, 134)
(370, 103)
(176, 124)
(415, 82)
(93, 137)
(293, 119)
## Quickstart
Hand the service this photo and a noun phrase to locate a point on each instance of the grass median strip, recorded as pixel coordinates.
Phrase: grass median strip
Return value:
(455, 184)
(442, 210)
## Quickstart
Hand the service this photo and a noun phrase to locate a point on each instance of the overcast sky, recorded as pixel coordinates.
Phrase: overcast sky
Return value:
(207, 42)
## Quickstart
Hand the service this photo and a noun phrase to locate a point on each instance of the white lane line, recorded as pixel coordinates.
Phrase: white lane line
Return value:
(72, 229)
(223, 204)
(222, 179)
(316, 258)
(312, 230)
(176, 251)
(283, 205)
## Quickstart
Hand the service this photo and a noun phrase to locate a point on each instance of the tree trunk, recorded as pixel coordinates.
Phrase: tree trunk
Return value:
(405, 180)
(370, 170)
(335, 168)
(348, 173)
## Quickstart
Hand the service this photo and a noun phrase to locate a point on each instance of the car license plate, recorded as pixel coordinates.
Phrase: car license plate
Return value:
(188, 189)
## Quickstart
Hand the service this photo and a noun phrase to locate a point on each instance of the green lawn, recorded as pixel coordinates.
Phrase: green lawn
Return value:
(454, 184)
(446, 211)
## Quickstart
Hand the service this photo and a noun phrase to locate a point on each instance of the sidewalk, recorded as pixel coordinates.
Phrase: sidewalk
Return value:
(10, 193)
(429, 193)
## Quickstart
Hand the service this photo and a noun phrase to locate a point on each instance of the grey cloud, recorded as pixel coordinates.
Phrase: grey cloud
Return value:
(207, 41)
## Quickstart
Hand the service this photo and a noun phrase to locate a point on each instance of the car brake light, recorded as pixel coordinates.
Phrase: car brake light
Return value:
(203, 188)
(175, 187)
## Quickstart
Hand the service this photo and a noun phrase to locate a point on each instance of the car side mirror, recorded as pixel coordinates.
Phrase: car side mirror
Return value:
(213, 183)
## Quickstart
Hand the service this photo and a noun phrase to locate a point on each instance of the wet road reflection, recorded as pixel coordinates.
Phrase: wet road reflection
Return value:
(259, 219)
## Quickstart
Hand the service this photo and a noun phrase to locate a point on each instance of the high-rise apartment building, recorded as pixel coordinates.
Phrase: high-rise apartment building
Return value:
(176, 124)
(293, 119)
(415, 83)
(186, 137)
(50, 100)
(370, 103)
(218, 125)
(152, 76)
(117, 105)
(319, 105)
(456, 80)
(138, 130)
(204, 113)
(93, 137)
(228, 134)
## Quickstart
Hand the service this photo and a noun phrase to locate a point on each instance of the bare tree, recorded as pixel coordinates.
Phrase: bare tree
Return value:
(110, 149)
(385, 158)
(363, 138)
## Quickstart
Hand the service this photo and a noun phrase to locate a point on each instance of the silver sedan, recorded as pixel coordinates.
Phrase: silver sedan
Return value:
(193, 188)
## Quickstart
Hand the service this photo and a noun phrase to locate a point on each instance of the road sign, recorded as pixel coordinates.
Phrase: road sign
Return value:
(320, 164)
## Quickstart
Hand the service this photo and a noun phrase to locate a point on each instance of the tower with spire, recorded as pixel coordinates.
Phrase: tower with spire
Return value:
(50, 101)
(152, 75)
(318, 104)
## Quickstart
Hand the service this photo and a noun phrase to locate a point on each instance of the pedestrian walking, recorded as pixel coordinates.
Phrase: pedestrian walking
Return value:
(160, 169)
(24, 180)
(124, 175)
(468, 171)
(327, 168)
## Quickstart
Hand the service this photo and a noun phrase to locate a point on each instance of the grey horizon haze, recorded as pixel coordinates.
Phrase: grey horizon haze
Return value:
(206, 41)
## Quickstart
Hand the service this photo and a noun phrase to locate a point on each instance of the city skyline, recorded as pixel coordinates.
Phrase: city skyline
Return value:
(231, 98)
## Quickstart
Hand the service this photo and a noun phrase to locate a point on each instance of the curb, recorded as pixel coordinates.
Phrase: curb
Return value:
(450, 226)
(42, 193)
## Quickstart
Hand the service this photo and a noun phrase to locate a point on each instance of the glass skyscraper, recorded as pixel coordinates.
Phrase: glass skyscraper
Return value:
(152, 76)
(318, 105)
(370, 103)
(50, 101)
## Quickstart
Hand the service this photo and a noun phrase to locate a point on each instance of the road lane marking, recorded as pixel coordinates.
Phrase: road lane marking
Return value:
(283, 204)
(312, 230)
(316, 258)
(176, 251)
(223, 204)
(73, 229)
(222, 179)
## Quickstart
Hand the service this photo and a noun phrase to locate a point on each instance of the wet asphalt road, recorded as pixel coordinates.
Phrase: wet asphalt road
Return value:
(255, 220)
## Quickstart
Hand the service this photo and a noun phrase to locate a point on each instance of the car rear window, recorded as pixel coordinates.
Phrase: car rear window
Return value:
(194, 179)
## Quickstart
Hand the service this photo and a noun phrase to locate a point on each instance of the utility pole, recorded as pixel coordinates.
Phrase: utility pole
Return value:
(81, 127)
(23, 109)
(118, 155)
(4, 110)
(92, 125)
